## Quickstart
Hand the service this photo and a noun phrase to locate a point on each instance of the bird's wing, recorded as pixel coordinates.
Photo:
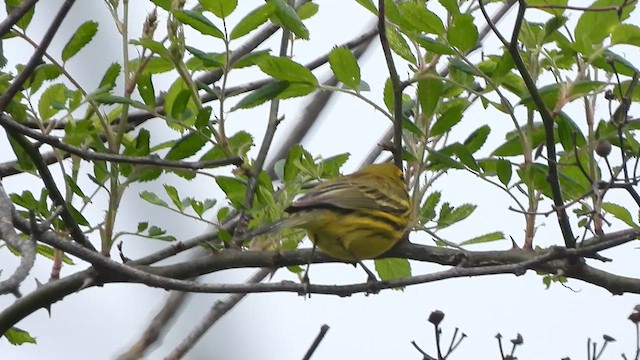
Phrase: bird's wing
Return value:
(348, 195)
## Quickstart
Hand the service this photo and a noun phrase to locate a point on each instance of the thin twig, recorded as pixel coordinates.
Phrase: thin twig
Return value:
(217, 311)
(323, 331)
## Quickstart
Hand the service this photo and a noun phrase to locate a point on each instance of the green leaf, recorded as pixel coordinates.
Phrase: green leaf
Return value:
(368, 4)
(253, 20)
(152, 198)
(79, 39)
(513, 145)
(44, 72)
(290, 19)
(285, 69)
(17, 336)
(49, 253)
(331, 166)
(392, 268)
(450, 5)
(623, 66)
(550, 93)
(307, 10)
(157, 233)
(498, 235)
(440, 160)
(620, 213)
(79, 218)
(626, 34)
(163, 4)
(503, 169)
(463, 33)
(262, 95)
(172, 192)
(159, 49)
(399, 45)
(198, 21)
(558, 10)
(145, 89)
(109, 78)
(53, 100)
(345, 66)
(416, 14)
(142, 226)
(434, 46)
(430, 93)
(428, 209)
(449, 118)
(595, 26)
(238, 144)
(187, 146)
(477, 138)
(219, 8)
(209, 60)
(450, 215)
(179, 104)
(25, 20)
(234, 188)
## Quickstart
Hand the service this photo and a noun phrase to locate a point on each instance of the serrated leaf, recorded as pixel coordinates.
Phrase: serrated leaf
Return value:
(81, 37)
(498, 235)
(449, 118)
(49, 253)
(262, 95)
(142, 226)
(307, 10)
(594, 26)
(187, 146)
(285, 69)
(620, 213)
(429, 93)
(503, 170)
(145, 88)
(219, 8)
(78, 217)
(172, 192)
(234, 188)
(450, 215)
(152, 198)
(25, 20)
(17, 336)
(199, 22)
(110, 76)
(463, 33)
(626, 34)
(392, 268)
(416, 14)
(52, 101)
(253, 20)
(428, 209)
(345, 66)
(290, 19)
(477, 138)
(399, 45)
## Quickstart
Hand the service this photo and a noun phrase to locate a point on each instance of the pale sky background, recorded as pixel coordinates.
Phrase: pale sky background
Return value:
(100, 323)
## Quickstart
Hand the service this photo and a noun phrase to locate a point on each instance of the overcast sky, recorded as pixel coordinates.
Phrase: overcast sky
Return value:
(102, 322)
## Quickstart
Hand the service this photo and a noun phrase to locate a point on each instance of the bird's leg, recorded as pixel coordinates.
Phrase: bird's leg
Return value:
(305, 278)
(372, 280)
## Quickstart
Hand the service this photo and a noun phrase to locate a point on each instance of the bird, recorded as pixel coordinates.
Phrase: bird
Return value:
(353, 217)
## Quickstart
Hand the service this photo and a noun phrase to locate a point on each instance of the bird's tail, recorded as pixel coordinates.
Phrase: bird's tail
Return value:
(292, 221)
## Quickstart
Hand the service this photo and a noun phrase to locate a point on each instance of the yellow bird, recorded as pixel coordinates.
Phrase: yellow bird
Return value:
(353, 217)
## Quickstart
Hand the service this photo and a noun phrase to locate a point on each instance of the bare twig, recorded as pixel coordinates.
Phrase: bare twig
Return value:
(323, 331)
(217, 311)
